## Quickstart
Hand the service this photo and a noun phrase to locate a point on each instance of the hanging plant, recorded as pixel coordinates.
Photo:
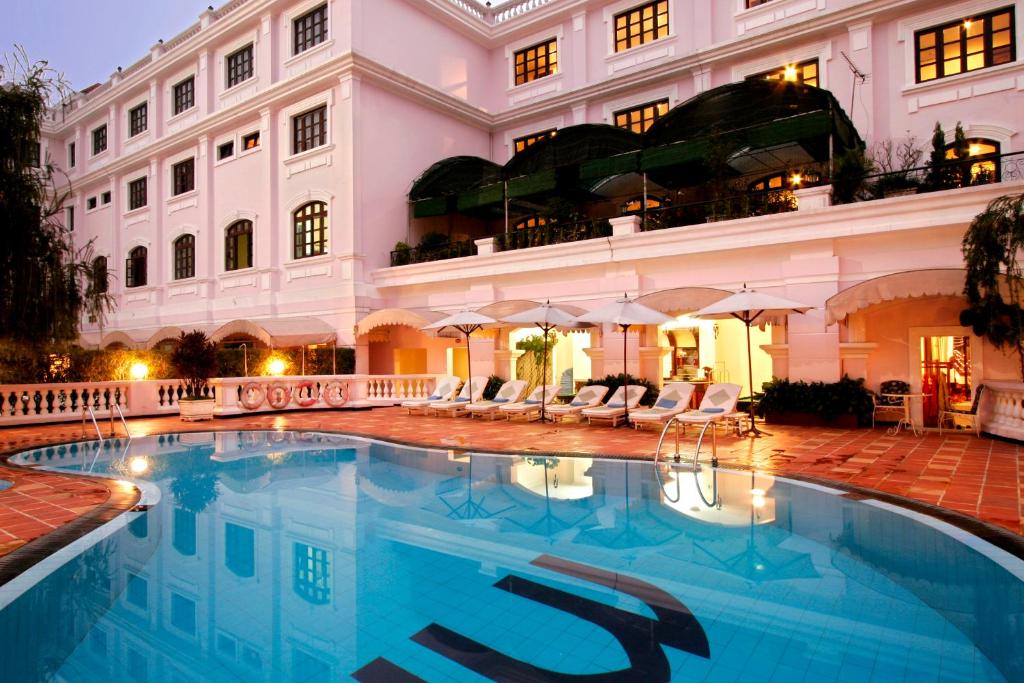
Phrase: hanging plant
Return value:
(534, 344)
(991, 247)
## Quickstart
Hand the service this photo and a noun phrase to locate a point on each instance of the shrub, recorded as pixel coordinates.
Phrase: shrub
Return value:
(613, 382)
(402, 254)
(195, 361)
(827, 401)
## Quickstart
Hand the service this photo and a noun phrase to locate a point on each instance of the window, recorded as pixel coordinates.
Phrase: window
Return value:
(137, 193)
(99, 139)
(251, 141)
(183, 174)
(641, 25)
(527, 140)
(135, 271)
(965, 45)
(226, 150)
(239, 65)
(99, 274)
(240, 550)
(636, 204)
(309, 130)
(184, 257)
(639, 119)
(138, 119)
(71, 155)
(310, 230)
(985, 161)
(69, 217)
(756, 3)
(139, 527)
(531, 222)
(105, 197)
(804, 72)
(310, 29)
(312, 574)
(238, 246)
(137, 591)
(185, 95)
(183, 613)
(536, 62)
(90, 203)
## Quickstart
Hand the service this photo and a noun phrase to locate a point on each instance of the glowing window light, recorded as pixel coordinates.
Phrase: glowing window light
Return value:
(790, 73)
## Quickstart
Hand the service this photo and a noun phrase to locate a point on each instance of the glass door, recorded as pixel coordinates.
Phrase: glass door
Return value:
(945, 375)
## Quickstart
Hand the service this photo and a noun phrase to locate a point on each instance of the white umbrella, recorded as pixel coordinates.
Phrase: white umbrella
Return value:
(467, 322)
(625, 312)
(750, 307)
(547, 318)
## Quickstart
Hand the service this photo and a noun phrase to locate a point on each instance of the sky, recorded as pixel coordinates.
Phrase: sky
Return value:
(88, 39)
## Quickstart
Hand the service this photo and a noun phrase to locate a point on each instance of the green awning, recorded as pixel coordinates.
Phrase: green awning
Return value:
(480, 197)
(597, 169)
(426, 208)
(676, 154)
(535, 183)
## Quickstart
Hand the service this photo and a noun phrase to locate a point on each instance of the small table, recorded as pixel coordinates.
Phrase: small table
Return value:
(906, 421)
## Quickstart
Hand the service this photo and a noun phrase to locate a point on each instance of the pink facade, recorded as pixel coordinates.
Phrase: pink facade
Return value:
(405, 83)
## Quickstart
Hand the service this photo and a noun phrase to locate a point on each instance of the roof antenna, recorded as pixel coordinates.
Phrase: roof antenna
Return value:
(858, 75)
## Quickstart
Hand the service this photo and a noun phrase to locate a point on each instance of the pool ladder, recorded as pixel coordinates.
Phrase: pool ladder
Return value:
(89, 412)
(716, 500)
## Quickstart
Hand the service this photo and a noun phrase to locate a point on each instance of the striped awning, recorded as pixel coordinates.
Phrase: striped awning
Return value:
(909, 284)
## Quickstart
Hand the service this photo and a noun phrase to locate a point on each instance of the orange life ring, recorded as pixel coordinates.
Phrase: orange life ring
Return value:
(252, 395)
(311, 396)
(335, 394)
(278, 395)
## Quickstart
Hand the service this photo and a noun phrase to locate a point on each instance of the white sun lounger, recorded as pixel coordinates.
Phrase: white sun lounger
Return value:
(718, 405)
(673, 400)
(457, 406)
(614, 410)
(530, 408)
(587, 397)
(510, 392)
(444, 390)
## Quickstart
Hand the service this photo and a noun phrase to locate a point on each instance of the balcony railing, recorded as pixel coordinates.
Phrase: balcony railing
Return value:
(403, 257)
(552, 233)
(951, 175)
(722, 209)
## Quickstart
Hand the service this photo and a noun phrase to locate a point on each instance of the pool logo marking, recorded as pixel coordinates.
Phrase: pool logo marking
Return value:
(640, 637)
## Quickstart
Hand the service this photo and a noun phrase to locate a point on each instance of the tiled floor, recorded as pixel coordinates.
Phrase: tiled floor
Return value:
(979, 477)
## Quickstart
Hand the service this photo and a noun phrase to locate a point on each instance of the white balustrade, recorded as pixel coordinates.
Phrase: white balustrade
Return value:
(22, 404)
(1001, 410)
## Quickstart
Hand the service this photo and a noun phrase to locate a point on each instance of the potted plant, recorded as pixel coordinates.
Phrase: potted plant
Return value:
(844, 404)
(195, 361)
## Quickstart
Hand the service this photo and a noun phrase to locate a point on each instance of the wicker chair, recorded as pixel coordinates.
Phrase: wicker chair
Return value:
(886, 407)
(965, 418)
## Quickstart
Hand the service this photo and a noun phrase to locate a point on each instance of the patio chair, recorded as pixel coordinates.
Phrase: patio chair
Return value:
(886, 406)
(614, 410)
(457, 406)
(718, 405)
(530, 408)
(444, 390)
(963, 418)
(510, 392)
(673, 400)
(587, 397)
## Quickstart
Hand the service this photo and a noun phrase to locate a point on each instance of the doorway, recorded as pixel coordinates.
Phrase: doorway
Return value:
(946, 375)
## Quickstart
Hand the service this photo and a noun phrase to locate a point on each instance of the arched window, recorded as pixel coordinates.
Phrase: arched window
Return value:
(531, 222)
(135, 270)
(238, 246)
(184, 257)
(986, 168)
(310, 230)
(100, 279)
(635, 205)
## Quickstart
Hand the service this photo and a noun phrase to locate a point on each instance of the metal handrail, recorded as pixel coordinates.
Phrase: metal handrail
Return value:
(88, 410)
(696, 461)
(123, 421)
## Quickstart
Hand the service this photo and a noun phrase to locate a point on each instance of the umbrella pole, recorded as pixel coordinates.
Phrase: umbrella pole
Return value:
(753, 431)
(469, 365)
(543, 384)
(625, 374)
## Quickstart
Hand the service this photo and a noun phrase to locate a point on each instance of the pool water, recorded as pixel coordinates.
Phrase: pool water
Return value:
(286, 556)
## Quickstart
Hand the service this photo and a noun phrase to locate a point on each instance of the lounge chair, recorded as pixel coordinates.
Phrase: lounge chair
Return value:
(587, 397)
(530, 408)
(444, 390)
(718, 405)
(457, 406)
(673, 400)
(963, 418)
(614, 410)
(510, 392)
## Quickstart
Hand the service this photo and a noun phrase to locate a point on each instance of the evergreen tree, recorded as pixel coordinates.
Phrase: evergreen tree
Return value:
(46, 283)
(938, 167)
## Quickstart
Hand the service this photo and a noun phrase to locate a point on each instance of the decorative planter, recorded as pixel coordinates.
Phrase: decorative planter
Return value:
(192, 410)
(810, 420)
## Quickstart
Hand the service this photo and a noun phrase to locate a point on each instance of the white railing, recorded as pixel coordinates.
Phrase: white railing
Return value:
(22, 404)
(1001, 409)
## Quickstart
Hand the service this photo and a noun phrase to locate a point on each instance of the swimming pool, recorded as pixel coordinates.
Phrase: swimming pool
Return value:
(313, 557)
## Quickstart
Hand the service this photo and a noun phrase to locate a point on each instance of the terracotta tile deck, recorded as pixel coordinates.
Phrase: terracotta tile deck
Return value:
(978, 477)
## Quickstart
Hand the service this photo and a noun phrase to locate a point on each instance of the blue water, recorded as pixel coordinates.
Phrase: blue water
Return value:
(276, 556)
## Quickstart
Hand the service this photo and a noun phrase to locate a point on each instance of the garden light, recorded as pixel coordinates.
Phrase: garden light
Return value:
(276, 366)
(139, 370)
